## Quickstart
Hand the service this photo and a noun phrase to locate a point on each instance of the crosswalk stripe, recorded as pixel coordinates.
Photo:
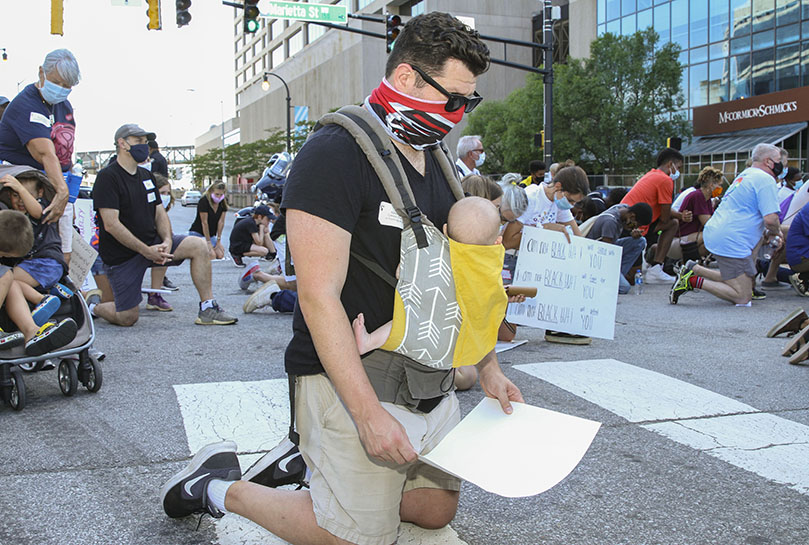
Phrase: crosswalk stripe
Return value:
(771, 446)
(256, 416)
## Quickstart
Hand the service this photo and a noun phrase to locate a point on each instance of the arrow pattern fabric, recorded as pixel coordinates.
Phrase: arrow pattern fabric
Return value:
(427, 290)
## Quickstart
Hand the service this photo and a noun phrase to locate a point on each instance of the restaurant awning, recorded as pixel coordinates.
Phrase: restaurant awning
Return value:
(741, 141)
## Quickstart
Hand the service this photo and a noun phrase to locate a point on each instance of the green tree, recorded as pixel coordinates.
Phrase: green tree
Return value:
(507, 128)
(612, 112)
(615, 110)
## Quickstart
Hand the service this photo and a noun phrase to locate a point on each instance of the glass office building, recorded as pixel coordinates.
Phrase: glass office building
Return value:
(731, 50)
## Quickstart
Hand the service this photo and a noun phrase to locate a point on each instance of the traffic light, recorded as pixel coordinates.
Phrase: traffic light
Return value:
(183, 17)
(57, 9)
(392, 22)
(153, 11)
(251, 15)
(674, 142)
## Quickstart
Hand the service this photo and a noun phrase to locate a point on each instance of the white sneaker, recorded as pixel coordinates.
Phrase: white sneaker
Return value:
(655, 275)
(262, 297)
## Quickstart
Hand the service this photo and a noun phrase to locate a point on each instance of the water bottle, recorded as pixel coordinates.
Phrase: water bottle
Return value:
(639, 282)
(768, 250)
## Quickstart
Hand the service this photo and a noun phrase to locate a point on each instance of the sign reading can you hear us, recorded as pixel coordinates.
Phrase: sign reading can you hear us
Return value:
(577, 283)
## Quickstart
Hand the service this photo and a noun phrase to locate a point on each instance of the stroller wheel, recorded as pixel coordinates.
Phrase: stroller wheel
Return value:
(68, 377)
(31, 367)
(94, 376)
(16, 396)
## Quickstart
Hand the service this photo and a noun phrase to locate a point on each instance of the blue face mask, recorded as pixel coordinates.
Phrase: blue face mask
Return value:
(52, 93)
(563, 203)
(798, 184)
(139, 152)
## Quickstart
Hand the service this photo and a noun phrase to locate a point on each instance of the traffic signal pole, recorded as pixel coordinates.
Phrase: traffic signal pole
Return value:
(547, 41)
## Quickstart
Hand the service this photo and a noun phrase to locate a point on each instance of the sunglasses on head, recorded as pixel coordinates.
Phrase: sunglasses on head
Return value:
(454, 100)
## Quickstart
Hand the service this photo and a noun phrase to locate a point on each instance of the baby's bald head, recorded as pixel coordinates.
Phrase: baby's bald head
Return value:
(474, 220)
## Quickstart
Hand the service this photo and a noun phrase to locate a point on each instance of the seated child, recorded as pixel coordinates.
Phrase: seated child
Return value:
(17, 240)
(45, 265)
(472, 220)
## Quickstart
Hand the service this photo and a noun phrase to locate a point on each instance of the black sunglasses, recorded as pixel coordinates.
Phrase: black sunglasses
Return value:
(455, 101)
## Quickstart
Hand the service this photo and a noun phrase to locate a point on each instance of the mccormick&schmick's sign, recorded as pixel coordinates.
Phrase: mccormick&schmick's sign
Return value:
(748, 113)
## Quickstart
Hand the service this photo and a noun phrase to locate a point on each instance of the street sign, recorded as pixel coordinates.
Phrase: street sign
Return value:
(319, 13)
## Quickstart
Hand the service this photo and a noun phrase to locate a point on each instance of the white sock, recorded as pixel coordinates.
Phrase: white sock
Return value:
(217, 490)
(91, 308)
(209, 303)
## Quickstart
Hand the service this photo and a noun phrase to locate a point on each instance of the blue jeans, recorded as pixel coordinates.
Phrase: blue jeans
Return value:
(633, 249)
(200, 235)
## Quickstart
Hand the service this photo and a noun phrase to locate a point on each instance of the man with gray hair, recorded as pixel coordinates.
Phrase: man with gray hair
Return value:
(38, 127)
(470, 155)
(748, 209)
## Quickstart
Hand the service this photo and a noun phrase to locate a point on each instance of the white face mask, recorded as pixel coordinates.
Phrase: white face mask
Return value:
(166, 200)
(674, 175)
(480, 160)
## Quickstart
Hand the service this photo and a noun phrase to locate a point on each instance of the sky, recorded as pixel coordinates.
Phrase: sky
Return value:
(175, 82)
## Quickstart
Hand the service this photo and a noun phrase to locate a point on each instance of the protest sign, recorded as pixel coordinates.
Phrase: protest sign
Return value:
(577, 283)
(85, 218)
(81, 259)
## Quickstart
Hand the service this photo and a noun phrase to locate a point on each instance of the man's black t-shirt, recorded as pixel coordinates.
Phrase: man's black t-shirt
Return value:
(331, 178)
(204, 205)
(242, 232)
(135, 197)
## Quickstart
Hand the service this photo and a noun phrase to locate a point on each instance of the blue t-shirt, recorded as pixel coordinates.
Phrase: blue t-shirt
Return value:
(738, 223)
(798, 239)
(28, 116)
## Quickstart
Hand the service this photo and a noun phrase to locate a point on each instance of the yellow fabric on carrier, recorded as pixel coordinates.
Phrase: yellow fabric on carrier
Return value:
(482, 300)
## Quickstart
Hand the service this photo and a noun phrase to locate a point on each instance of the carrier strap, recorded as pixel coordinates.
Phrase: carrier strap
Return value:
(293, 435)
(375, 268)
(384, 159)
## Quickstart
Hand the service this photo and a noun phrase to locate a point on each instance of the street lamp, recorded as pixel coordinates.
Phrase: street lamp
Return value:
(265, 84)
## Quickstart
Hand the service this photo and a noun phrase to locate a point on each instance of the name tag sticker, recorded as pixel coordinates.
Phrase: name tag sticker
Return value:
(37, 117)
(148, 184)
(150, 197)
(389, 217)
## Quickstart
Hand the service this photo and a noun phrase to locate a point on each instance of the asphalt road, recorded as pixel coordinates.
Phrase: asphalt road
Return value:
(88, 469)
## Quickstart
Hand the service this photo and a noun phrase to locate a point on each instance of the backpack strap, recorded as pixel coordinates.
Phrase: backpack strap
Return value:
(378, 148)
(448, 168)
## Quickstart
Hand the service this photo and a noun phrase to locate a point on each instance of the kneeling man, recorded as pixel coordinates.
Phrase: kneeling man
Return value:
(134, 233)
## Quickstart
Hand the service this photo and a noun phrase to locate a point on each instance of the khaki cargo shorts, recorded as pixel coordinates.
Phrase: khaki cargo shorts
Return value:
(355, 497)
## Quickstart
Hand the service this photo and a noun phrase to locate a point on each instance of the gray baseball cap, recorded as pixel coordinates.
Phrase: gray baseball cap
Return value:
(3, 100)
(131, 129)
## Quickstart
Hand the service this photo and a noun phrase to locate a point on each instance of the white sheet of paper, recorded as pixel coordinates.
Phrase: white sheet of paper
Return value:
(517, 455)
(502, 346)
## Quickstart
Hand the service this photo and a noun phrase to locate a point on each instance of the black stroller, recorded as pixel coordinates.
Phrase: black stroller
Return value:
(69, 374)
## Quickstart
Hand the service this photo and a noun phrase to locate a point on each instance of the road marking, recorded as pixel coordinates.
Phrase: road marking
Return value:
(256, 416)
(773, 447)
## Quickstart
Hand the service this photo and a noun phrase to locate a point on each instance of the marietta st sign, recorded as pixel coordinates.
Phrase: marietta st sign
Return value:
(319, 13)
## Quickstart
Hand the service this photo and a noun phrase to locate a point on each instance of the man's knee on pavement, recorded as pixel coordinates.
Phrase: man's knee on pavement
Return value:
(128, 318)
(433, 508)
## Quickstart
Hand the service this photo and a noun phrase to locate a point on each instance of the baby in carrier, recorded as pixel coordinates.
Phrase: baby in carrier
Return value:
(472, 220)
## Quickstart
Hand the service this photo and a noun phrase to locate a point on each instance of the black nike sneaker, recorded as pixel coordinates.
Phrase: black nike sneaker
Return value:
(282, 465)
(186, 492)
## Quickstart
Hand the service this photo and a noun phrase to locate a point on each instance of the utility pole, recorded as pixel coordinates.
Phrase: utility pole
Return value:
(547, 41)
